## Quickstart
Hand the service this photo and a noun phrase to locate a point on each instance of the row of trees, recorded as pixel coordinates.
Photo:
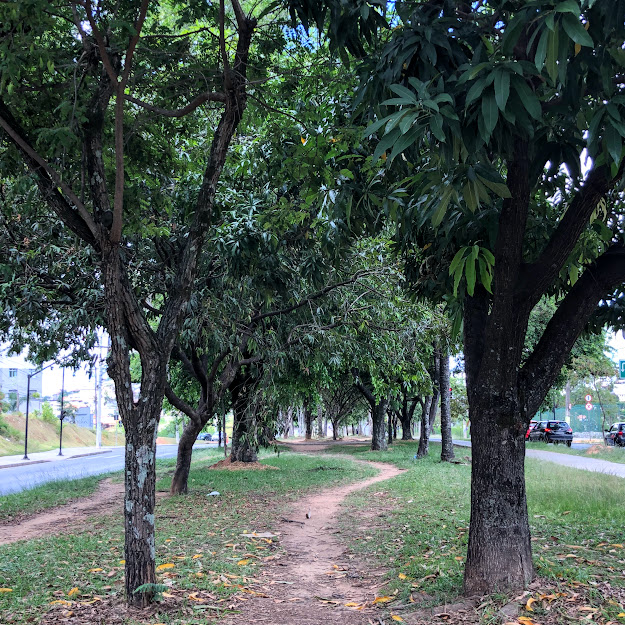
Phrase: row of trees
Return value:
(256, 211)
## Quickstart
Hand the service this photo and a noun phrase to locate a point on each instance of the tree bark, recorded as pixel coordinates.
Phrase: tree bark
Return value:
(308, 420)
(447, 444)
(244, 445)
(179, 482)
(498, 507)
(424, 434)
(378, 439)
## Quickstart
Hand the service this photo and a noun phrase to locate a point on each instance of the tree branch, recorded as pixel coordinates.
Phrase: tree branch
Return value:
(180, 404)
(546, 361)
(181, 112)
(538, 276)
(80, 221)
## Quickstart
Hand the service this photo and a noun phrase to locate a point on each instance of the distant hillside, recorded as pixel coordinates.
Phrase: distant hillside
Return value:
(43, 436)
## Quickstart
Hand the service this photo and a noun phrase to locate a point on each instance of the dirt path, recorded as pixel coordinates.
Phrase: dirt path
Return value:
(106, 500)
(314, 581)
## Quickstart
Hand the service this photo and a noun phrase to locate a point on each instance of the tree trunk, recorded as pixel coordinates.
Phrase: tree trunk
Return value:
(320, 420)
(179, 482)
(390, 429)
(139, 501)
(447, 446)
(244, 445)
(378, 438)
(406, 416)
(498, 507)
(308, 420)
(424, 433)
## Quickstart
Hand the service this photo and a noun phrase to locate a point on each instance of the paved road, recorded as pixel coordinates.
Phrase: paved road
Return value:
(16, 479)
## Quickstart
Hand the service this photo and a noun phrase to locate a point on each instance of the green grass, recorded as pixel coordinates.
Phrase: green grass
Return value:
(209, 528)
(46, 496)
(418, 529)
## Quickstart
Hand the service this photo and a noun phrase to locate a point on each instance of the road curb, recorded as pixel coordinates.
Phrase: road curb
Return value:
(91, 453)
(22, 464)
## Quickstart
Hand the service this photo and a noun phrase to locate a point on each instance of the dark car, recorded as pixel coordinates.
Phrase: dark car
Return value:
(531, 427)
(552, 432)
(615, 436)
(204, 436)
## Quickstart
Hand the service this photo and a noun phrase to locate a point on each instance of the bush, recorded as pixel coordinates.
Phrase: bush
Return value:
(47, 414)
(6, 430)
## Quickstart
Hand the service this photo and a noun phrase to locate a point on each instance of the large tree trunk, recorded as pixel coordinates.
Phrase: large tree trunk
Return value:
(447, 446)
(498, 506)
(424, 433)
(320, 420)
(308, 421)
(179, 482)
(244, 445)
(139, 502)
(378, 439)
(406, 414)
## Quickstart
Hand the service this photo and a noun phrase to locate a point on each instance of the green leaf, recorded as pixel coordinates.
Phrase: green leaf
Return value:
(499, 188)
(502, 88)
(470, 196)
(541, 50)
(490, 112)
(405, 141)
(575, 30)
(614, 143)
(458, 277)
(485, 277)
(404, 92)
(568, 6)
(385, 143)
(455, 262)
(551, 60)
(441, 209)
(469, 270)
(475, 91)
(488, 255)
(528, 98)
(436, 126)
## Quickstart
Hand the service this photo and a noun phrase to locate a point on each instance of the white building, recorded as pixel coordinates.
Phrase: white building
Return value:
(14, 373)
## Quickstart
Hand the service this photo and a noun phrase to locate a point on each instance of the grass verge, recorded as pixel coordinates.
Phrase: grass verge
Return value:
(202, 557)
(418, 530)
(49, 495)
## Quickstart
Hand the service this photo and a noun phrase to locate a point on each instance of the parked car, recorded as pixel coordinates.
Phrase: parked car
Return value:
(204, 436)
(215, 437)
(552, 432)
(615, 436)
(532, 425)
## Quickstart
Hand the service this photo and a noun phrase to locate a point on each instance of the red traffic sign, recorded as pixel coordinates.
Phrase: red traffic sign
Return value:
(589, 406)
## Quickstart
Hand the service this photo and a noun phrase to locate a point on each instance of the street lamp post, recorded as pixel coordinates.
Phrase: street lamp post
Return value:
(62, 414)
(29, 376)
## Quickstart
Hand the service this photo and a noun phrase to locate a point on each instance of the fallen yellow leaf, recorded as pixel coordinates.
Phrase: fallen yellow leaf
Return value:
(621, 615)
(402, 576)
(528, 605)
(95, 570)
(6, 589)
(397, 618)
(303, 140)
(168, 565)
(73, 591)
(122, 561)
(193, 596)
(61, 602)
(525, 620)
(196, 556)
(199, 574)
(352, 604)
(617, 545)
(383, 599)
(243, 562)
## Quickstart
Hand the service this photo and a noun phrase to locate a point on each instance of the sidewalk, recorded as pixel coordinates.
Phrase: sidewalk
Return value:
(568, 460)
(52, 456)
